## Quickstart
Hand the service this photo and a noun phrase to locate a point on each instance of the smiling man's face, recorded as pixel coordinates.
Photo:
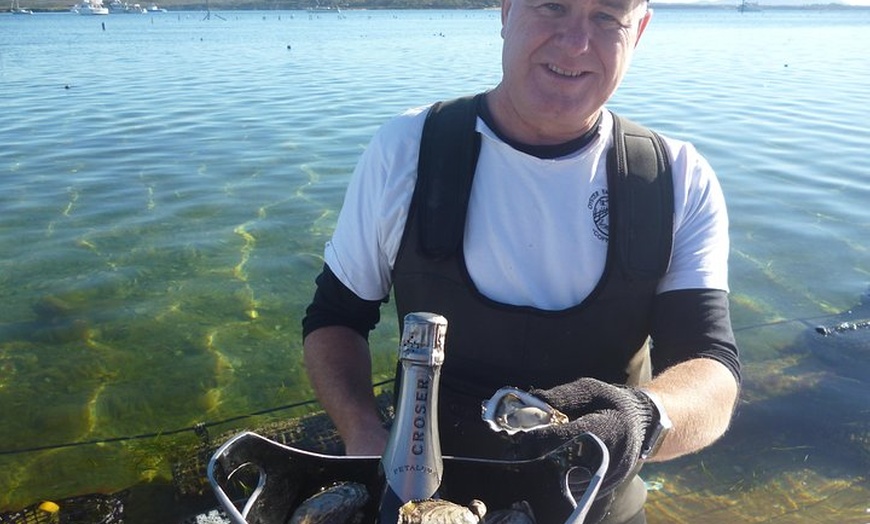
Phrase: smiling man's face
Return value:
(562, 60)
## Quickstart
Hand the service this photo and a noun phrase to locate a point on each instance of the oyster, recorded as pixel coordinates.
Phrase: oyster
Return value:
(338, 504)
(437, 511)
(518, 513)
(512, 410)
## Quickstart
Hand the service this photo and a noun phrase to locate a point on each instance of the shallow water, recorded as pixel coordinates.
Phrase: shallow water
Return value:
(167, 183)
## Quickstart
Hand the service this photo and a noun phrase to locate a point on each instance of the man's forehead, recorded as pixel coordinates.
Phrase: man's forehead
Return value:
(625, 5)
(618, 6)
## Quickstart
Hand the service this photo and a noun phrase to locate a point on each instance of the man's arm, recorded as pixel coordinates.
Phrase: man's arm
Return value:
(699, 396)
(694, 346)
(339, 366)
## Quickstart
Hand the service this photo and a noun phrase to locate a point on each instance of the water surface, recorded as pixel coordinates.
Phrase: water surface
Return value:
(167, 183)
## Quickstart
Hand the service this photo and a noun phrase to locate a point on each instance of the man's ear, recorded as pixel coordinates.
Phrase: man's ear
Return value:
(642, 25)
(505, 8)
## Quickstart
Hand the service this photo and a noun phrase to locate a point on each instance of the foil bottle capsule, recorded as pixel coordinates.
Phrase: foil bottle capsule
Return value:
(412, 464)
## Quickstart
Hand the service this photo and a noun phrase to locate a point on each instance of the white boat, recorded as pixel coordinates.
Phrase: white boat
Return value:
(117, 6)
(16, 9)
(90, 7)
(155, 9)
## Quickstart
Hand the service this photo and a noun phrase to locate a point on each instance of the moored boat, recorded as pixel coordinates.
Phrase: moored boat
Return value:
(17, 10)
(90, 7)
(117, 6)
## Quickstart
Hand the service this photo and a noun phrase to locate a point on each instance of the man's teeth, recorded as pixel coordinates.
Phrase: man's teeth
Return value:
(565, 72)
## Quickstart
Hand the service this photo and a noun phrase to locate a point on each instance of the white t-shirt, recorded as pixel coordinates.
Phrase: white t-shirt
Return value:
(536, 232)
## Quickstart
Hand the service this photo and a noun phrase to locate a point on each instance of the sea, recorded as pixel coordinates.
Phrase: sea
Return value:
(168, 182)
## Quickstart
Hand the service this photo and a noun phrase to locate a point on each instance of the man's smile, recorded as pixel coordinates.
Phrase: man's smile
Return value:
(564, 72)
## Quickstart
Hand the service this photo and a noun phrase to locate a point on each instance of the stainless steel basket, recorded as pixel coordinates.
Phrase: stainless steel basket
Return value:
(260, 481)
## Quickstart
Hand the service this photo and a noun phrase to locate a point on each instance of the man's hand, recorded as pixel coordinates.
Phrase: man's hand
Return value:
(368, 443)
(619, 415)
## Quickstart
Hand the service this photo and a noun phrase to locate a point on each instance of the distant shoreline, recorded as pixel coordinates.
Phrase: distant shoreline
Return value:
(53, 6)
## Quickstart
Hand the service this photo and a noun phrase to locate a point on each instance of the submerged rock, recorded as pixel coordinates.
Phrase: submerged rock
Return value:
(844, 343)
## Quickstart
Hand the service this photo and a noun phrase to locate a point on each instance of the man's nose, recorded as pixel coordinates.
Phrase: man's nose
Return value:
(574, 36)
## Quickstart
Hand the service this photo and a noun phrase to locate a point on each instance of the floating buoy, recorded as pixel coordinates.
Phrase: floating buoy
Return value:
(49, 507)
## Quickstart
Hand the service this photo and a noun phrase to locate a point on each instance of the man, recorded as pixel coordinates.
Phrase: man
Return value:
(538, 295)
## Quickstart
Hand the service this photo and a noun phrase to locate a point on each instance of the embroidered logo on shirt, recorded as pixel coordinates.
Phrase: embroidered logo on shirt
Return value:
(598, 205)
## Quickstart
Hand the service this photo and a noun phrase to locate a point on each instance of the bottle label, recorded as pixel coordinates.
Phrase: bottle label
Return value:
(418, 436)
(415, 451)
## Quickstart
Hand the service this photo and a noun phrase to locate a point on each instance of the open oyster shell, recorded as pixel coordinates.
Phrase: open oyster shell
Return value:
(439, 511)
(513, 410)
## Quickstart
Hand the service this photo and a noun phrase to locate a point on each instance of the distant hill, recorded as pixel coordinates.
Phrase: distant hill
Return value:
(776, 4)
(772, 4)
(229, 5)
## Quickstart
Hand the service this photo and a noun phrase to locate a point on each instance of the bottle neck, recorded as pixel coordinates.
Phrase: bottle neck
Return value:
(412, 460)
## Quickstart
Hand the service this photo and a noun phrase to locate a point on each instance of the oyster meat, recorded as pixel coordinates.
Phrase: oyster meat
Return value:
(513, 410)
(437, 511)
(340, 503)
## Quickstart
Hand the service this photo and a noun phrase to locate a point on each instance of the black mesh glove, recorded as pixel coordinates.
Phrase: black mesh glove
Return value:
(619, 415)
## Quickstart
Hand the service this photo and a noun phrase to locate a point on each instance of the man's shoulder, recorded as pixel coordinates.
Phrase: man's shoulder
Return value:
(399, 133)
(406, 120)
(675, 146)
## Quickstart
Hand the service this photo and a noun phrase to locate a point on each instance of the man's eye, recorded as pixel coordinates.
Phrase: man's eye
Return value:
(607, 18)
(553, 7)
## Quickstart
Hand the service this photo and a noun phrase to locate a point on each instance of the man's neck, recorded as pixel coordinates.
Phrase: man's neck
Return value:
(540, 150)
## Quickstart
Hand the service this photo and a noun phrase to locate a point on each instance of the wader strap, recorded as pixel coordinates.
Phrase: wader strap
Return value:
(640, 185)
(448, 157)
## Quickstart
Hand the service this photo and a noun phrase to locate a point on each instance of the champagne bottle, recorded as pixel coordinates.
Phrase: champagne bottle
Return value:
(411, 463)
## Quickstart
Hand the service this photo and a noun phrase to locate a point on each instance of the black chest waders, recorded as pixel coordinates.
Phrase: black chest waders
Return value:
(492, 344)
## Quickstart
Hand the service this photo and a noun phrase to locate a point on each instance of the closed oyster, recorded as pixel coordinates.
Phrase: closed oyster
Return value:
(518, 513)
(338, 504)
(437, 511)
(512, 410)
